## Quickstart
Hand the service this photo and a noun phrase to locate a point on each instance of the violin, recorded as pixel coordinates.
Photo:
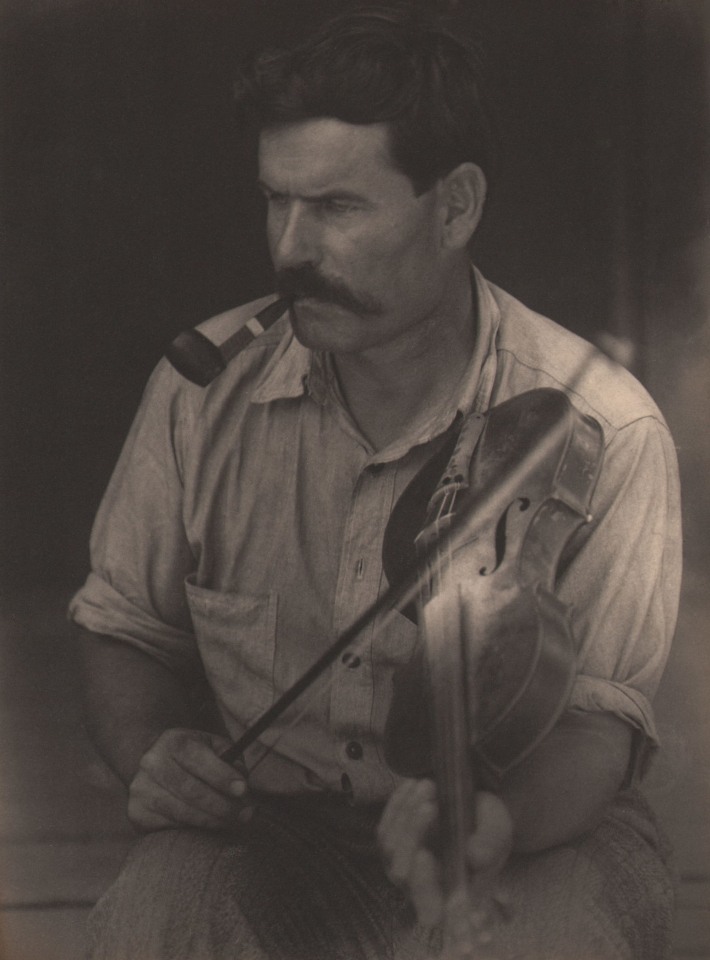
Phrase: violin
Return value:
(472, 552)
(497, 660)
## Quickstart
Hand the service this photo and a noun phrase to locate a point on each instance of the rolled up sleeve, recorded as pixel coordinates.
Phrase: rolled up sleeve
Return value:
(140, 555)
(623, 583)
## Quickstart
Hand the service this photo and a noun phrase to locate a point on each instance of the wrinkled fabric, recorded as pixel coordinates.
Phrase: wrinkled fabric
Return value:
(243, 530)
(302, 881)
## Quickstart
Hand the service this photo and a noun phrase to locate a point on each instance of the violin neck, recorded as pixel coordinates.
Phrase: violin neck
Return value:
(452, 715)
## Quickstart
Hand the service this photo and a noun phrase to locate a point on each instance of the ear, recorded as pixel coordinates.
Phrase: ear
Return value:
(463, 194)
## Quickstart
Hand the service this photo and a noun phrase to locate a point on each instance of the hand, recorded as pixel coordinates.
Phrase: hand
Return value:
(182, 781)
(405, 833)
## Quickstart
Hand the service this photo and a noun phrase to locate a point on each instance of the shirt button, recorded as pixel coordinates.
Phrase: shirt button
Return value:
(354, 750)
(350, 660)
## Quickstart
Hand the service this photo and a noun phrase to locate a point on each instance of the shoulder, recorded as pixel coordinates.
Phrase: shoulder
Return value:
(173, 403)
(534, 351)
(252, 354)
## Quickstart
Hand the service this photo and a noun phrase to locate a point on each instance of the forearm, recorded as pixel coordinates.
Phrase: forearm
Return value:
(129, 700)
(560, 791)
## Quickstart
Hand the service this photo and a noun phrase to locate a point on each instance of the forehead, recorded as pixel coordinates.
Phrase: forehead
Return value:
(325, 154)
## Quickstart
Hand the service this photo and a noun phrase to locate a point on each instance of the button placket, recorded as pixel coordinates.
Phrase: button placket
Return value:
(359, 582)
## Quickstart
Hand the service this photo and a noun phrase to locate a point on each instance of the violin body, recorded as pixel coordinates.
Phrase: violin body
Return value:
(519, 656)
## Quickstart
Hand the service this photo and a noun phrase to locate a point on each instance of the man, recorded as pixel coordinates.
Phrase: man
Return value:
(242, 532)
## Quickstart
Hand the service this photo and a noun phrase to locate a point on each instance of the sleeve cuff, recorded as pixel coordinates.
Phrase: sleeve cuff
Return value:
(100, 608)
(597, 694)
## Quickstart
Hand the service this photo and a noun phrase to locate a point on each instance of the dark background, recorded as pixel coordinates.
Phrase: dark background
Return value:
(128, 211)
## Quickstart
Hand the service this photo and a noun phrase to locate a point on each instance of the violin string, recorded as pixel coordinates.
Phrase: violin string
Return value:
(307, 699)
(465, 531)
(434, 584)
(358, 648)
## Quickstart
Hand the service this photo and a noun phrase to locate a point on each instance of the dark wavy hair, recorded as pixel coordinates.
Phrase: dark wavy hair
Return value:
(397, 64)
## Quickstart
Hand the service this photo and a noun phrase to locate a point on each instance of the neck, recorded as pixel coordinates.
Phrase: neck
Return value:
(388, 389)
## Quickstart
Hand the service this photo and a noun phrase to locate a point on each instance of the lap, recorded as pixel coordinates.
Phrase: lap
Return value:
(300, 880)
(303, 882)
(609, 896)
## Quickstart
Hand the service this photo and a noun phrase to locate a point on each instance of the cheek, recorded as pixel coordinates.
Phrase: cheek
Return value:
(390, 254)
(411, 263)
(395, 251)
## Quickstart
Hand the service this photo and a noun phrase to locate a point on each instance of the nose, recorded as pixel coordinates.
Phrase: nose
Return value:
(292, 235)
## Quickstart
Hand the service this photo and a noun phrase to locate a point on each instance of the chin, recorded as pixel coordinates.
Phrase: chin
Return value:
(323, 326)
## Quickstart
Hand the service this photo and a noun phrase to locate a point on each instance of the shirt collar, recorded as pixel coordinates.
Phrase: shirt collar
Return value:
(287, 373)
(477, 383)
(294, 371)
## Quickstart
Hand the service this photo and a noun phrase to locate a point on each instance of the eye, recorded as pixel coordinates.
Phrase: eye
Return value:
(336, 206)
(272, 197)
(277, 199)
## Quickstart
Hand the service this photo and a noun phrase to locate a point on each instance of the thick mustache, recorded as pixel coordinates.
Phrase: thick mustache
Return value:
(293, 283)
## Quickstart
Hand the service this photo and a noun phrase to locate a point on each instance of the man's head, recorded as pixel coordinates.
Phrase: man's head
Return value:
(372, 154)
(396, 64)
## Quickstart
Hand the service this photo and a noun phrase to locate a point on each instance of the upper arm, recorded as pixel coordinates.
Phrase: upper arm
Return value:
(622, 581)
(140, 554)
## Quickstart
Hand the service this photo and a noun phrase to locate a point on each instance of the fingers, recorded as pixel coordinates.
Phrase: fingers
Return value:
(426, 890)
(403, 832)
(182, 781)
(154, 809)
(490, 845)
(198, 758)
(405, 825)
(411, 798)
(488, 850)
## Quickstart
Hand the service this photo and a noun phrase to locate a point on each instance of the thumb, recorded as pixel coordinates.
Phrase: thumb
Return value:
(217, 741)
(220, 744)
(490, 845)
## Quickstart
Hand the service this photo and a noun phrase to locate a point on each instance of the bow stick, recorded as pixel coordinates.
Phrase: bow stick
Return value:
(472, 519)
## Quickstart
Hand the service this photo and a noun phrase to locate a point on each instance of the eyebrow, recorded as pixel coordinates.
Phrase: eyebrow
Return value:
(317, 197)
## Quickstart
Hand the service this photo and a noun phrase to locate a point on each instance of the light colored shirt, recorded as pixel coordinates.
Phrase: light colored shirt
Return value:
(244, 525)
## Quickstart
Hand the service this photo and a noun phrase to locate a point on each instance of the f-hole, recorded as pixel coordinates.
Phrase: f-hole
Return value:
(501, 533)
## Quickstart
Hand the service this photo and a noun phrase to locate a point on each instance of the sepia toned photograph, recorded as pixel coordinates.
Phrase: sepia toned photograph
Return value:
(355, 511)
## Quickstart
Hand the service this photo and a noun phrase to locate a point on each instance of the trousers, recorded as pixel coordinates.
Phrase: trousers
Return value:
(303, 881)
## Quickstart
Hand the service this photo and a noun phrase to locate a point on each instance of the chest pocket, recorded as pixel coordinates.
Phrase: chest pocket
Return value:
(236, 635)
